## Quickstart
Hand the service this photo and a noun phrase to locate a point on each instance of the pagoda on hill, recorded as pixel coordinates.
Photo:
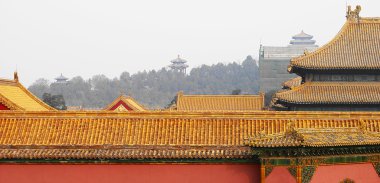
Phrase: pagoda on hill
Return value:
(274, 60)
(303, 39)
(343, 75)
(61, 79)
(179, 65)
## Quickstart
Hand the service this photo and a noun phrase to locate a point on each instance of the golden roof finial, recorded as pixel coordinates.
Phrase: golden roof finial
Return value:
(180, 93)
(15, 76)
(291, 131)
(122, 92)
(353, 15)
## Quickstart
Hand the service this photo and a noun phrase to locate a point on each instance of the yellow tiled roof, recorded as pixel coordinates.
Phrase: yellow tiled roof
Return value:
(94, 135)
(128, 101)
(318, 137)
(219, 102)
(16, 97)
(292, 82)
(332, 93)
(356, 46)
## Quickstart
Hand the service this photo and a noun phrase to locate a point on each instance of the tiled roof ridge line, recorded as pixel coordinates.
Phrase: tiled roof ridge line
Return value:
(295, 61)
(350, 83)
(186, 115)
(8, 82)
(125, 99)
(290, 83)
(125, 146)
(35, 98)
(223, 95)
(11, 105)
(298, 135)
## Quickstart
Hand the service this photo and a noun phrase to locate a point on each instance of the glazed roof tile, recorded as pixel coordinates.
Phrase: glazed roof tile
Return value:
(355, 47)
(318, 137)
(292, 82)
(17, 97)
(219, 102)
(332, 93)
(97, 135)
(129, 101)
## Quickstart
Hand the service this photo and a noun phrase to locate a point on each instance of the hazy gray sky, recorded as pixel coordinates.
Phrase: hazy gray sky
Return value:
(43, 38)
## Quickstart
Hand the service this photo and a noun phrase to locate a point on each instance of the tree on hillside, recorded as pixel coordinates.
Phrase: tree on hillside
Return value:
(55, 101)
(39, 87)
(156, 88)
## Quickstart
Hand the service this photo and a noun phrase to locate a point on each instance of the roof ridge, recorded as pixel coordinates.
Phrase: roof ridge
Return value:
(368, 20)
(125, 98)
(345, 83)
(8, 103)
(223, 95)
(31, 95)
(7, 82)
(294, 61)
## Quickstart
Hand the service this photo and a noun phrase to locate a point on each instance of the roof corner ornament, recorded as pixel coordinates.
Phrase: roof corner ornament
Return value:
(290, 69)
(353, 15)
(305, 52)
(180, 93)
(122, 93)
(291, 126)
(261, 133)
(291, 131)
(362, 126)
(15, 76)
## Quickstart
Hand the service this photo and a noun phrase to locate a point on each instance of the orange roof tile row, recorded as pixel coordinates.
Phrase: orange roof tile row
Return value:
(356, 47)
(332, 93)
(325, 137)
(219, 102)
(87, 135)
(297, 81)
(139, 152)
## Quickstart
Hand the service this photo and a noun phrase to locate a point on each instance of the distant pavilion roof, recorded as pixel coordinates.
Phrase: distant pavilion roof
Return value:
(297, 47)
(302, 39)
(61, 78)
(178, 60)
(302, 35)
(178, 63)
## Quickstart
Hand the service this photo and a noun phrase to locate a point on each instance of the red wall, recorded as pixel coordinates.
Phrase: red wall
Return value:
(121, 103)
(357, 172)
(3, 107)
(333, 173)
(280, 174)
(136, 173)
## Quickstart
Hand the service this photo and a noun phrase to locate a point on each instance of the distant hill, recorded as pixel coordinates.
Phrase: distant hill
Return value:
(155, 89)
